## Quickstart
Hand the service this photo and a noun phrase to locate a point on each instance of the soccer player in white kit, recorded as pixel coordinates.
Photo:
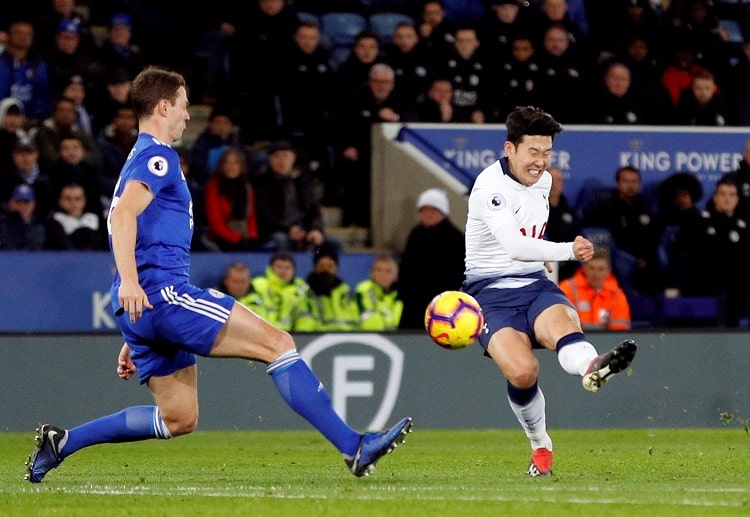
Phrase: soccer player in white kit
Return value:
(506, 258)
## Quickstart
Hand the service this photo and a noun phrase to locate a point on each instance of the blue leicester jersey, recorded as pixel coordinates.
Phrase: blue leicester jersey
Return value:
(165, 228)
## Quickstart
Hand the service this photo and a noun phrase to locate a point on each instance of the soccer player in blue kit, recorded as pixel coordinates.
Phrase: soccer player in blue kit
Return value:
(506, 258)
(166, 322)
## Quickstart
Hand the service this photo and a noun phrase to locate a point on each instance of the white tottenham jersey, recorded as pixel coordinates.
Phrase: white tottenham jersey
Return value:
(505, 226)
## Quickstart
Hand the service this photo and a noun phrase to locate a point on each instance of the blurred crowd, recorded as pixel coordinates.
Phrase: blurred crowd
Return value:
(294, 86)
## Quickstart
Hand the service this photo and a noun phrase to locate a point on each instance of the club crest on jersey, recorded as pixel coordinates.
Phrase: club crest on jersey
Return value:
(158, 165)
(496, 202)
(216, 293)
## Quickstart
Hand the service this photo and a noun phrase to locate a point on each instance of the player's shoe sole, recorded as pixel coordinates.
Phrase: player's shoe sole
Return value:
(606, 365)
(373, 446)
(541, 463)
(46, 454)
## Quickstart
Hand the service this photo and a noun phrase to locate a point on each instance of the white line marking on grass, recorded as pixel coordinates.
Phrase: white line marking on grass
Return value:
(385, 493)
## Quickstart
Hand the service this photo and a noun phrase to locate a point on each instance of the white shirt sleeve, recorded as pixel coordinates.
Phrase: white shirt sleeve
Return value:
(521, 247)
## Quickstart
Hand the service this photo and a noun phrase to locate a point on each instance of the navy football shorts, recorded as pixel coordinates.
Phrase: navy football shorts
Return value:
(515, 307)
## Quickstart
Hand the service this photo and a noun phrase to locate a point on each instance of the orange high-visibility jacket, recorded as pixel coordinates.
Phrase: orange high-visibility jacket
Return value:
(606, 309)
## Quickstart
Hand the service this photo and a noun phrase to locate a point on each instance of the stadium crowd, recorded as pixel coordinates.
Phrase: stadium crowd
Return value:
(294, 86)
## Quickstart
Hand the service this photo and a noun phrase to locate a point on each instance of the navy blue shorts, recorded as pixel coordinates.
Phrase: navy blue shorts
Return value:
(515, 307)
(184, 323)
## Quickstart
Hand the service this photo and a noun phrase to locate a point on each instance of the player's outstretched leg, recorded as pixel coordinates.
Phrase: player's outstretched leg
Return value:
(608, 364)
(373, 446)
(46, 454)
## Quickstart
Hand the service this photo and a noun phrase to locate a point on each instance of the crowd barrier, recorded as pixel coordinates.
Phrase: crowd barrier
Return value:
(68, 291)
(677, 380)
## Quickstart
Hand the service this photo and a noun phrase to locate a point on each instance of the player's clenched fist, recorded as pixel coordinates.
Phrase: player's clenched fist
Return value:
(583, 249)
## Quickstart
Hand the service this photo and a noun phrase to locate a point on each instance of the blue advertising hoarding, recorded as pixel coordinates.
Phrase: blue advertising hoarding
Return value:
(586, 153)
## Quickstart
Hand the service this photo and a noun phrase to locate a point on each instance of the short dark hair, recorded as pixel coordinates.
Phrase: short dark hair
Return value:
(629, 168)
(152, 85)
(530, 120)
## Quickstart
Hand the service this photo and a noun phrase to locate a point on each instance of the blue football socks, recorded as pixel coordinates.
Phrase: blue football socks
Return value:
(129, 425)
(305, 394)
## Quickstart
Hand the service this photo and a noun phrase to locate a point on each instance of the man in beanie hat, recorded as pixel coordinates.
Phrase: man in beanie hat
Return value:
(433, 258)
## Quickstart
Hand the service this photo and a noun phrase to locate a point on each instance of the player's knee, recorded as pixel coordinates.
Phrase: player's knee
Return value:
(523, 378)
(281, 342)
(182, 424)
(523, 373)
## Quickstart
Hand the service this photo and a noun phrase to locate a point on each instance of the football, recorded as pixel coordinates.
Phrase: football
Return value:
(453, 319)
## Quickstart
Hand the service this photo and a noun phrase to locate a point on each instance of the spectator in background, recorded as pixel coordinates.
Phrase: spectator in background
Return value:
(11, 129)
(436, 32)
(421, 275)
(259, 53)
(72, 226)
(694, 24)
(60, 124)
(211, 56)
(632, 19)
(307, 96)
(635, 230)
(597, 296)
(376, 102)
(289, 216)
(283, 293)
(614, 102)
(410, 62)
(68, 59)
(684, 248)
(563, 223)
(563, 73)
(20, 229)
(24, 73)
(231, 208)
(115, 142)
(117, 51)
(353, 73)
(220, 132)
(645, 67)
(557, 12)
(107, 101)
(25, 170)
(437, 105)
(72, 167)
(378, 301)
(729, 246)
(701, 104)
(516, 79)
(504, 22)
(76, 91)
(464, 66)
(236, 280)
(49, 17)
(331, 306)
(679, 72)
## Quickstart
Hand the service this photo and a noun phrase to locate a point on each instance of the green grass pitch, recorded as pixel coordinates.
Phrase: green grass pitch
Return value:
(657, 472)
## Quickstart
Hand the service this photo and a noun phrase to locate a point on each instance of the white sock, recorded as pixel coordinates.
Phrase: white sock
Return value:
(576, 357)
(534, 421)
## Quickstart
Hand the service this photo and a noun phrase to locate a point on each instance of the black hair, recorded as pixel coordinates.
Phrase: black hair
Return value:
(529, 120)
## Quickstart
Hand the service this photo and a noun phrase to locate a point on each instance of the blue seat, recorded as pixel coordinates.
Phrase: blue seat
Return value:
(384, 25)
(601, 237)
(308, 17)
(342, 28)
(692, 311)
